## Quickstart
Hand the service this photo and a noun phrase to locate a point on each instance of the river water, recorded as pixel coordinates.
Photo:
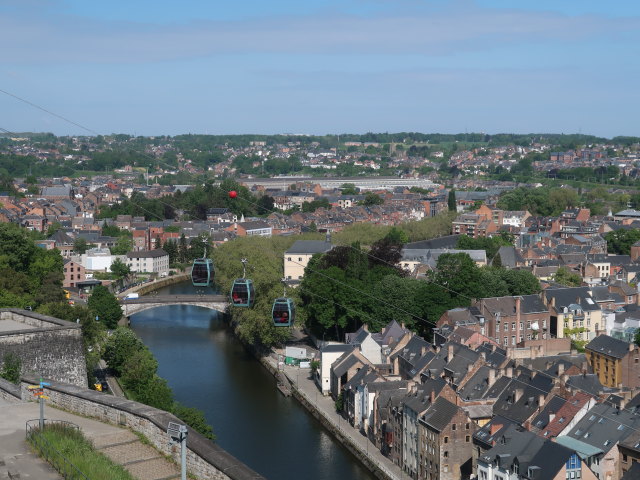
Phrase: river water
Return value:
(209, 369)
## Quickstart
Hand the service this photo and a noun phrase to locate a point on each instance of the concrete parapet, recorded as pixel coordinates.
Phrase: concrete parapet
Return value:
(205, 459)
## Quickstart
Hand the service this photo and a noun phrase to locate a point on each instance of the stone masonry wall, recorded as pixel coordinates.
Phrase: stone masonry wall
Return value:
(48, 347)
(205, 459)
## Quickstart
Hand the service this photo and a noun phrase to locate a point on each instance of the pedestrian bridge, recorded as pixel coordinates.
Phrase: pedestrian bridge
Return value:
(131, 306)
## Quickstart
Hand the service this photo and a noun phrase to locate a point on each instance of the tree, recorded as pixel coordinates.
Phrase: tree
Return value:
(451, 200)
(120, 346)
(104, 305)
(564, 277)
(371, 198)
(195, 419)
(80, 245)
(123, 245)
(11, 367)
(349, 189)
(637, 337)
(120, 269)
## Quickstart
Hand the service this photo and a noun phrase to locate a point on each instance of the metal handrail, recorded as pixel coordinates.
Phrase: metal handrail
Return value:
(56, 459)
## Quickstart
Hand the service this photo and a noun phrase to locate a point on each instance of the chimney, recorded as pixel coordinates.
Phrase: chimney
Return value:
(469, 367)
(560, 369)
(518, 306)
(632, 347)
(403, 326)
(551, 417)
(518, 394)
(365, 327)
(432, 396)
(449, 352)
(508, 372)
(541, 400)
(483, 356)
(492, 377)
(328, 237)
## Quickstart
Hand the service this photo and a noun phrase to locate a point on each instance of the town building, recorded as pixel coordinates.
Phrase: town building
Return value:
(616, 362)
(149, 261)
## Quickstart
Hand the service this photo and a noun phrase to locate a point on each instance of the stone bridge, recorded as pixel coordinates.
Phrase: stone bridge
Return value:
(131, 306)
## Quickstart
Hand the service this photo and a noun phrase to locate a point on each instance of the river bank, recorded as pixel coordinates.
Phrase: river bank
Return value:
(322, 408)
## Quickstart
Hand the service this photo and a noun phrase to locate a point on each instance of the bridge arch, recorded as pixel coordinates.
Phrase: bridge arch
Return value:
(131, 306)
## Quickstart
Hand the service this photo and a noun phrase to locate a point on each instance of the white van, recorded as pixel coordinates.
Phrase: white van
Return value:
(131, 296)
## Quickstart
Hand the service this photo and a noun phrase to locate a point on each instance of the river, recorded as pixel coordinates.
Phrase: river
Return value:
(208, 368)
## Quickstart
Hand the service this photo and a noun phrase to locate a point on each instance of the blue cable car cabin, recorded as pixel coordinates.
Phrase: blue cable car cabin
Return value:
(242, 293)
(202, 272)
(283, 312)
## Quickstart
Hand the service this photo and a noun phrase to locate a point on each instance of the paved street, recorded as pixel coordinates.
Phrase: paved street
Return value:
(300, 380)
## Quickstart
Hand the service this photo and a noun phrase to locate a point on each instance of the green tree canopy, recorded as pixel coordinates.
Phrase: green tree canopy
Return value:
(103, 304)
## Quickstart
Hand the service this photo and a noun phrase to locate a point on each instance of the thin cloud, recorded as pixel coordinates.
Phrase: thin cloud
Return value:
(67, 39)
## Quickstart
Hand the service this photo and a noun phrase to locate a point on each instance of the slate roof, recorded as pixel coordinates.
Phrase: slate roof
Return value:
(609, 346)
(440, 414)
(633, 473)
(604, 426)
(344, 363)
(309, 247)
(448, 241)
(476, 386)
(587, 382)
(61, 237)
(571, 295)
(337, 348)
(419, 400)
(521, 409)
(498, 425)
(147, 254)
(551, 408)
(510, 257)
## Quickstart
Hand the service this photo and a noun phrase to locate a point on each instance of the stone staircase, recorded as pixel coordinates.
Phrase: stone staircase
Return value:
(142, 461)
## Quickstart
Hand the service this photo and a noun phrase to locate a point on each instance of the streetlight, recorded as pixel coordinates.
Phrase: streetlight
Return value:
(178, 434)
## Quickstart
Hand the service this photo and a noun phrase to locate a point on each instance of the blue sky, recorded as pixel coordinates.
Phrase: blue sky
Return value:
(284, 66)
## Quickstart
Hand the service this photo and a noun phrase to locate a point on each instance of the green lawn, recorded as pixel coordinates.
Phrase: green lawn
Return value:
(59, 442)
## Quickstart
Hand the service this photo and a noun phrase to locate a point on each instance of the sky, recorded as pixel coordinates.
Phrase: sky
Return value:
(320, 66)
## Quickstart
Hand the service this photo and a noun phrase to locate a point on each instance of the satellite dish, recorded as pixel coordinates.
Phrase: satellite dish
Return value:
(535, 327)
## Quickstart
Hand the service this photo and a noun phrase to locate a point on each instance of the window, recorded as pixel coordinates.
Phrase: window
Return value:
(506, 327)
(544, 324)
(445, 468)
(446, 454)
(513, 340)
(466, 427)
(513, 327)
(528, 324)
(506, 341)
(299, 259)
(453, 427)
(467, 438)
(522, 325)
(446, 439)
(288, 259)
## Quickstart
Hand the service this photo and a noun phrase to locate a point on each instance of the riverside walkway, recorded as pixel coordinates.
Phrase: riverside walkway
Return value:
(325, 406)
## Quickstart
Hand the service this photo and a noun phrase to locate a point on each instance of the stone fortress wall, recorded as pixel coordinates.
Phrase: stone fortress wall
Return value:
(47, 346)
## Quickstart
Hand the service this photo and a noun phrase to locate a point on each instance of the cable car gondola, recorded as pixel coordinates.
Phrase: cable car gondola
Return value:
(242, 291)
(202, 272)
(283, 312)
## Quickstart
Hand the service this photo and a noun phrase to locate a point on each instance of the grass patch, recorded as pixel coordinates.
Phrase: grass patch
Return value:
(62, 445)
